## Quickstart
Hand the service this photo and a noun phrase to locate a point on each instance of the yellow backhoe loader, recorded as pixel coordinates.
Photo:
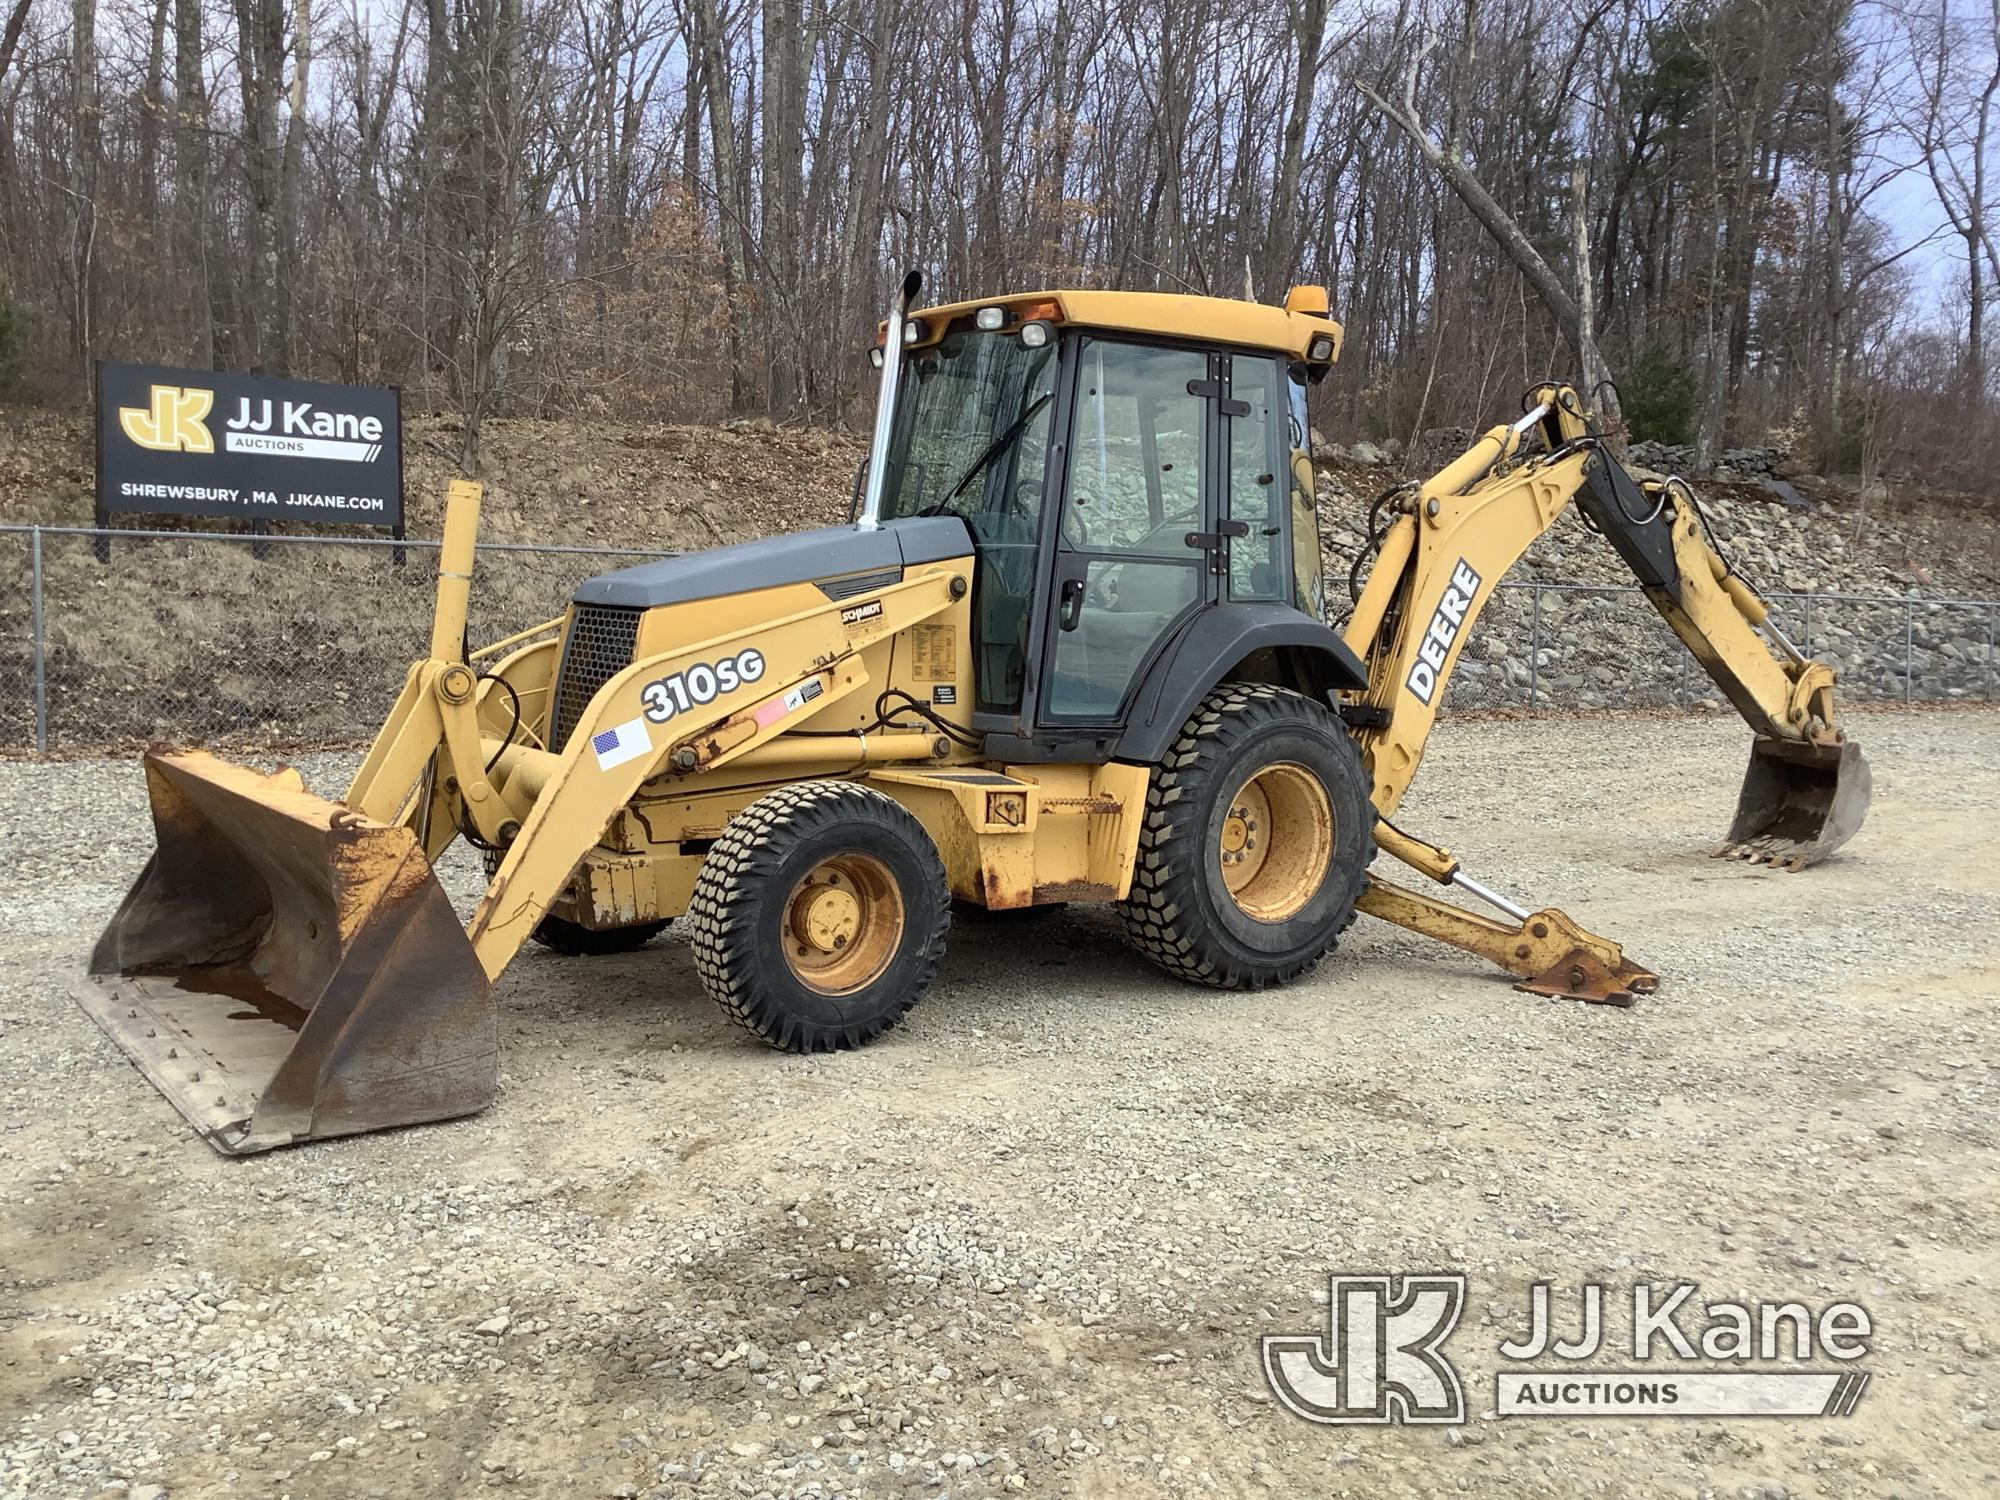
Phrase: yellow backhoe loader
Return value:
(1073, 647)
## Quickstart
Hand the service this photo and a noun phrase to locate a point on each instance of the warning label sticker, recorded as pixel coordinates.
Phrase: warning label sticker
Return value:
(934, 653)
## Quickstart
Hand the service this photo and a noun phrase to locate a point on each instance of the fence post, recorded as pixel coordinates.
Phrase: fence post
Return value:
(1535, 648)
(1806, 635)
(1990, 609)
(1909, 646)
(36, 643)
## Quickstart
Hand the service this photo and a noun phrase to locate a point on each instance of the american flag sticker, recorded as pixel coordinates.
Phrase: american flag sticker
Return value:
(621, 742)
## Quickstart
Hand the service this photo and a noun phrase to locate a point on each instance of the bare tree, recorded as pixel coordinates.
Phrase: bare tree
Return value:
(1573, 316)
(1953, 122)
(691, 209)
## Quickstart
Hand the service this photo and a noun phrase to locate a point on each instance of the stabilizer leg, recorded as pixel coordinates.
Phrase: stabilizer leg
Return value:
(1546, 951)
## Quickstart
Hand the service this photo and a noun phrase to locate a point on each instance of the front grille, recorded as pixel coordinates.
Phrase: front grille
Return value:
(599, 646)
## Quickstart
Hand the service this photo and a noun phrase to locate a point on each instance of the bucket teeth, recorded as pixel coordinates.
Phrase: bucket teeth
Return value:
(1800, 802)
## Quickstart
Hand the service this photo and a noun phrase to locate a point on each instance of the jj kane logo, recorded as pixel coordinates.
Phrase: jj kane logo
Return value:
(1382, 1356)
(176, 422)
(173, 422)
(1380, 1359)
(300, 429)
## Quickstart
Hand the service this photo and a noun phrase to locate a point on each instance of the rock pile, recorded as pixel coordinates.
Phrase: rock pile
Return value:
(1593, 641)
(1732, 465)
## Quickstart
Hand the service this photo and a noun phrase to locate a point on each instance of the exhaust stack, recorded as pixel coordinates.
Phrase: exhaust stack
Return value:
(870, 518)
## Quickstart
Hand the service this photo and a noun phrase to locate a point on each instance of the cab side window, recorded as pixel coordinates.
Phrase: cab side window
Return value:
(1258, 491)
(1308, 568)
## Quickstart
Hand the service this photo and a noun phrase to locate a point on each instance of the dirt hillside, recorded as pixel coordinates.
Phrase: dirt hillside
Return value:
(195, 641)
(671, 487)
(600, 484)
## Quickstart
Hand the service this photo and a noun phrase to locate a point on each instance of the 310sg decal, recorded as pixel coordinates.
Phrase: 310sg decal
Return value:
(700, 684)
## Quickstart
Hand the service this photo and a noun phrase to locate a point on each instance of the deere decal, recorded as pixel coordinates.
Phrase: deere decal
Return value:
(212, 443)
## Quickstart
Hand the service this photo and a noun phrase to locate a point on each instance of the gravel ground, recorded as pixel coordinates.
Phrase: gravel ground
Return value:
(1029, 1242)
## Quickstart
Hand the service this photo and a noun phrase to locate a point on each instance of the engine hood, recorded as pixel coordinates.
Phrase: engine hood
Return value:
(800, 557)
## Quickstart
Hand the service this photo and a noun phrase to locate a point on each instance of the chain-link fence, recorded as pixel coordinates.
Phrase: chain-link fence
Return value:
(124, 637)
(1541, 647)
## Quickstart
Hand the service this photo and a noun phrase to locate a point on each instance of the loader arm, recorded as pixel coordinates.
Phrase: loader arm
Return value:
(803, 663)
(1449, 542)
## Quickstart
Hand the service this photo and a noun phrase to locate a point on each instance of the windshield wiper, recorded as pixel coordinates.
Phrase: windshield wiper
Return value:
(998, 446)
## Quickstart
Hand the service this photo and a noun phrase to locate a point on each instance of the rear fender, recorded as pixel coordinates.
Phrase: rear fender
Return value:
(1235, 643)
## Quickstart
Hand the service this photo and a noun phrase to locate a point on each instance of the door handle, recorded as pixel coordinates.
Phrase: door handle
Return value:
(1072, 604)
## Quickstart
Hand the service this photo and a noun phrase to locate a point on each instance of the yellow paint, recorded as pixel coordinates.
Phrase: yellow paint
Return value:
(1486, 508)
(1213, 320)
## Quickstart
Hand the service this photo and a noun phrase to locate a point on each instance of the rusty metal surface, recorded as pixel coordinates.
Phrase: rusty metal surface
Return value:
(1080, 891)
(1584, 975)
(285, 969)
(1799, 803)
(1548, 952)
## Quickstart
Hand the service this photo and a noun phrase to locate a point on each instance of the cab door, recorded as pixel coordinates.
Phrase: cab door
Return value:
(1135, 541)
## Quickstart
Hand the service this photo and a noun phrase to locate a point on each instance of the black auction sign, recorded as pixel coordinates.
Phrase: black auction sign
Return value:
(208, 443)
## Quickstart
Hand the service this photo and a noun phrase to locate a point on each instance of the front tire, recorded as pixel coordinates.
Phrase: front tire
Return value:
(819, 916)
(1256, 842)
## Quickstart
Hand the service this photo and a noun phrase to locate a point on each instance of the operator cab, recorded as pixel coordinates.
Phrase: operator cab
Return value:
(1127, 463)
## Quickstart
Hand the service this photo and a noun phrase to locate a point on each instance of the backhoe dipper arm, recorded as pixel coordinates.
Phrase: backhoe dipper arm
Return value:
(1807, 789)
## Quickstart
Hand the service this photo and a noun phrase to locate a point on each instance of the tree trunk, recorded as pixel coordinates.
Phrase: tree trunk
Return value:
(86, 148)
(1600, 394)
(10, 39)
(260, 64)
(728, 192)
(291, 273)
(191, 166)
(1281, 260)
(152, 105)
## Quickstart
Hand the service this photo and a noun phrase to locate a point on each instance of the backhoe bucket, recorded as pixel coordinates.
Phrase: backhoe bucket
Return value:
(285, 969)
(1799, 803)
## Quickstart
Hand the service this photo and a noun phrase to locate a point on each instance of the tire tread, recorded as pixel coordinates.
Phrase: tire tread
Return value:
(737, 878)
(1157, 915)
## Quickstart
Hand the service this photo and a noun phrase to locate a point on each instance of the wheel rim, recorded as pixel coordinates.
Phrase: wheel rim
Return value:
(843, 924)
(1276, 841)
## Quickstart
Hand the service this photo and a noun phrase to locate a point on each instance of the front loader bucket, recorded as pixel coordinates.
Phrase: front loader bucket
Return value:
(1799, 803)
(285, 969)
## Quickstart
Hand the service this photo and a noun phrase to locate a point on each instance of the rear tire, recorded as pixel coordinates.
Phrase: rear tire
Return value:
(560, 935)
(819, 916)
(1256, 843)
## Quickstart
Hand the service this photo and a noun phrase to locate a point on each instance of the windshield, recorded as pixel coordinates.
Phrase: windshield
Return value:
(972, 429)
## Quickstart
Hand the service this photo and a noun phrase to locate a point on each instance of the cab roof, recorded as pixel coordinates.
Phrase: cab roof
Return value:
(1288, 330)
